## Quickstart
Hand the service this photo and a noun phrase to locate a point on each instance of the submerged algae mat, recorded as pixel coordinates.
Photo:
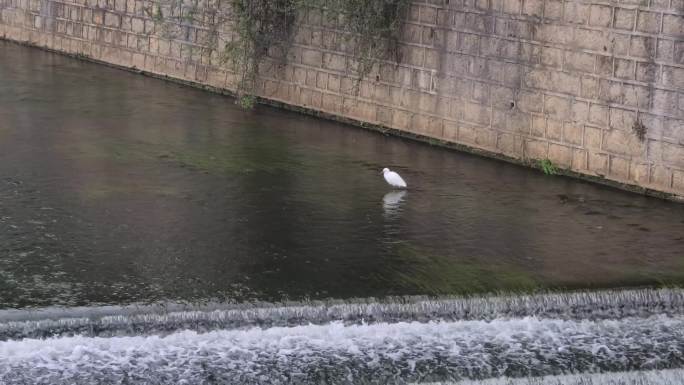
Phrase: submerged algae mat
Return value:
(395, 341)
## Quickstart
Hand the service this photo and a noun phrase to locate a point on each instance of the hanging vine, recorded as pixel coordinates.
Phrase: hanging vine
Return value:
(264, 28)
(373, 27)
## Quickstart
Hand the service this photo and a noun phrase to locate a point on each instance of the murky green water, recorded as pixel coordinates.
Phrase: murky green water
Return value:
(116, 188)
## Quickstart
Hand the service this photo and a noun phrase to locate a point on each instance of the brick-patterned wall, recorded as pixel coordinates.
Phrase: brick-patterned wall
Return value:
(529, 79)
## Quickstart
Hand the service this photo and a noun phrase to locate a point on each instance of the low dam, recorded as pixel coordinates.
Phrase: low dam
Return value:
(152, 233)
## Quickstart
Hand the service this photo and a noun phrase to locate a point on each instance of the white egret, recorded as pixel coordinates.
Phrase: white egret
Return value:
(393, 178)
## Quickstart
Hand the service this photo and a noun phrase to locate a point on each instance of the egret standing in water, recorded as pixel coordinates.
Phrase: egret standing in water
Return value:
(393, 178)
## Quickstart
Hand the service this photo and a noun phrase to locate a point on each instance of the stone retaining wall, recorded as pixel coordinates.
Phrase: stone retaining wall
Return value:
(573, 81)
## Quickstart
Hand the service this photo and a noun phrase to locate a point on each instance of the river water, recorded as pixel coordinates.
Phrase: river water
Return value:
(122, 192)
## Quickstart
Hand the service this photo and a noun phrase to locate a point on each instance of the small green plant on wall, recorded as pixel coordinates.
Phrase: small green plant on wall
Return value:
(246, 101)
(548, 167)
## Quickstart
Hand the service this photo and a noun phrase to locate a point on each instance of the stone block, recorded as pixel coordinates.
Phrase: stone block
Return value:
(334, 62)
(533, 8)
(553, 9)
(678, 180)
(678, 55)
(648, 22)
(538, 126)
(499, 118)
(610, 91)
(579, 61)
(673, 130)
(513, 7)
(512, 74)
(597, 163)
(312, 57)
(138, 25)
(636, 96)
(311, 76)
(579, 111)
(619, 44)
(619, 167)
(401, 119)
(573, 133)
(601, 16)
(624, 19)
(502, 97)
(576, 13)
(638, 173)
(646, 72)
(673, 25)
(661, 176)
(591, 39)
(579, 159)
(450, 131)
(624, 69)
(673, 154)
(517, 121)
(506, 143)
(322, 84)
(557, 107)
(428, 15)
(593, 137)
(552, 57)
(673, 77)
(480, 92)
(112, 20)
(553, 33)
(552, 81)
(415, 56)
(665, 102)
(536, 149)
(554, 129)
(530, 101)
(665, 50)
(469, 43)
(622, 143)
(604, 66)
(621, 119)
(477, 113)
(589, 87)
(560, 155)
(478, 136)
(643, 47)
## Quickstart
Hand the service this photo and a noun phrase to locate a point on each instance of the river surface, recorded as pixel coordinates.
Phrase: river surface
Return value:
(116, 188)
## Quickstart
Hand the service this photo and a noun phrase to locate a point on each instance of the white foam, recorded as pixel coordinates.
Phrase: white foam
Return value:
(650, 377)
(339, 353)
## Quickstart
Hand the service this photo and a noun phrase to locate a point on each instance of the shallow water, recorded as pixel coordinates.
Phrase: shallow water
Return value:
(117, 189)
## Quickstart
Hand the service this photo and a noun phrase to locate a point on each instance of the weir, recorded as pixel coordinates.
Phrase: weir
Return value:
(393, 341)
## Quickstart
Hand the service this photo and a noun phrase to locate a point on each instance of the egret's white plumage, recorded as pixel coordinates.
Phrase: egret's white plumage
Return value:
(393, 178)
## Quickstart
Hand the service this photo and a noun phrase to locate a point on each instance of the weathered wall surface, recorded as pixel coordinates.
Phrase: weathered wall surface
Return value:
(529, 79)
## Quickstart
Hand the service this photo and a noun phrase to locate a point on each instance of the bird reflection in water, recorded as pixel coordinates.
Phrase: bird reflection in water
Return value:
(392, 202)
